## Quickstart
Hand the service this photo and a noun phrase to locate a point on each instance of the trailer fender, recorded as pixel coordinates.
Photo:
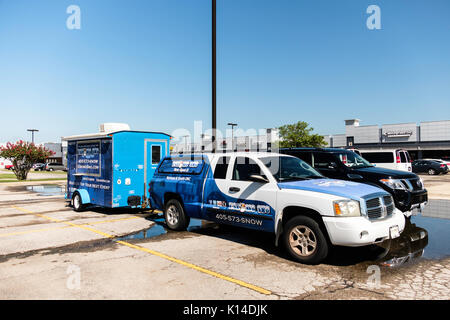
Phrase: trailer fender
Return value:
(85, 199)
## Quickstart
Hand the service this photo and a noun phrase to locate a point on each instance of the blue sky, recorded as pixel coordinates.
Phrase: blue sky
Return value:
(147, 63)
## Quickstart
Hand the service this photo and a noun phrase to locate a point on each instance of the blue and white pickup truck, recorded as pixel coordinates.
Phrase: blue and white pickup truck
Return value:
(274, 193)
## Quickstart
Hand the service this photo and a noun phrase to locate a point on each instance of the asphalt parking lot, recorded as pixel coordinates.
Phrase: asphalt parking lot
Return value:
(48, 251)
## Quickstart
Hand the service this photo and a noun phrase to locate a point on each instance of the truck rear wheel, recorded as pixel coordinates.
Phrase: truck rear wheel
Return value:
(304, 240)
(175, 216)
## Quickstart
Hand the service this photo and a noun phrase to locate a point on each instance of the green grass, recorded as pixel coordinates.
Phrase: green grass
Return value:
(31, 180)
(7, 175)
(49, 172)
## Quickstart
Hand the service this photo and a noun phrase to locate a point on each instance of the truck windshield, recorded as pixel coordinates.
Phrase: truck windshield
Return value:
(353, 160)
(290, 169)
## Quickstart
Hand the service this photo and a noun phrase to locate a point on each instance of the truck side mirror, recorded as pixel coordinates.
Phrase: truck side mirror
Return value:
(258, 178)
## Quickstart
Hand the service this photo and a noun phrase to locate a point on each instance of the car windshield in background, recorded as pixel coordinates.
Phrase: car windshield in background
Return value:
(353, 160)
(290, 169)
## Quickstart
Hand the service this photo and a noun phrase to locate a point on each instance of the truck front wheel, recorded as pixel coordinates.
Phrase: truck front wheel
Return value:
(175, 216)
(304, 240)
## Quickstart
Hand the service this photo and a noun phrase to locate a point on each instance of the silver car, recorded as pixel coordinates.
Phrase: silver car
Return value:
(55, 166)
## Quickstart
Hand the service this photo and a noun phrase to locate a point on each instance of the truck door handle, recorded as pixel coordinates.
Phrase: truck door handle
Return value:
(234, 189)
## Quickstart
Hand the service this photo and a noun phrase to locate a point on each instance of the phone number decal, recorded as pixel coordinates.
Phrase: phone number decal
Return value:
(236, 219)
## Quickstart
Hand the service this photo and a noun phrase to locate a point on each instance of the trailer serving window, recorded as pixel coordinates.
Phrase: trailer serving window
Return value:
(88, 160)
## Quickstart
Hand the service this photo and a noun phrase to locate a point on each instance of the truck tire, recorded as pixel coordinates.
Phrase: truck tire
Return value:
(77, 204)
(304, 240)
(175, 216)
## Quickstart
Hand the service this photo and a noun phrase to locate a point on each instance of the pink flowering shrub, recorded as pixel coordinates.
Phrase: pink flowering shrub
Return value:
(23, 155)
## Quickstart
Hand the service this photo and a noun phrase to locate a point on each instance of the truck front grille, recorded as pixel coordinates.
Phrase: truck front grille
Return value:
(413, 184)
(379, 207)
(416, 184)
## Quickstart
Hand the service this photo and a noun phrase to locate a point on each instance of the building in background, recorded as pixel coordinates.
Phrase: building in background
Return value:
(261, 142)
(429, 139)
(57, 149)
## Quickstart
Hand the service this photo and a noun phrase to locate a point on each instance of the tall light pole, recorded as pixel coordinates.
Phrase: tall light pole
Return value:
(213, 76)
(232, 134)
(32, 134)
(185, 141)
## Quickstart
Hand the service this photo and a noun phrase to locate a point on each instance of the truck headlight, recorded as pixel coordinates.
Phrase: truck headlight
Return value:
(347, 208)
(422, 186)
(393, 184)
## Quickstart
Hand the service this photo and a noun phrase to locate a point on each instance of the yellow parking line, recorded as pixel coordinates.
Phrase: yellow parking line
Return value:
(36, 214)
(193, 266)
(63, 227)
(161, 255)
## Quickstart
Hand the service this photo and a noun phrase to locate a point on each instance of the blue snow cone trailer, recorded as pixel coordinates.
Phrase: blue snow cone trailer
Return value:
(113, 169)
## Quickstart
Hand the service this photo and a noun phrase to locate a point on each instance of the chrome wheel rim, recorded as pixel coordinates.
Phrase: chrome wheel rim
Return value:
(173, 215)
(303, 241)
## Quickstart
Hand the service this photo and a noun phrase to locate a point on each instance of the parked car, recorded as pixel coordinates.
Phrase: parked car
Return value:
(397, 159)
(39, 166)
(55, 166)
(275, 193)
(447, 161)
(9, 167)
(406, 188)
(431, 167)
(442, 161)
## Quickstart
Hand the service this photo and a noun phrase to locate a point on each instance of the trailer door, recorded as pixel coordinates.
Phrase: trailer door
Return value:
(155, 150)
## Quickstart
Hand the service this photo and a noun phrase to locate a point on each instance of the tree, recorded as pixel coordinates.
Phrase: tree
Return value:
(23, 155)
(299, 135)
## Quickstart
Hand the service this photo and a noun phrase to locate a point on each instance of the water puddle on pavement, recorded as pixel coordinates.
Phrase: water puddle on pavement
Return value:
(438, 236)
(47, 190)
(423, 238)
(159, 229)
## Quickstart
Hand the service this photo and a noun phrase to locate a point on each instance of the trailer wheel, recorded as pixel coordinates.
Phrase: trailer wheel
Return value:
(77, 204)
(304, 240)
(175, 216)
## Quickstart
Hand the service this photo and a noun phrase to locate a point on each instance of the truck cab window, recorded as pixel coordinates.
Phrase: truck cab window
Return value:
(305, 156)
(379, 157)
(244, 167)
(323, 160)
(220, 172)
(403, 157)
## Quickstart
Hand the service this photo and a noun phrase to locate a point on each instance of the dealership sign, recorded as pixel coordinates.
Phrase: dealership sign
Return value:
(403, 133)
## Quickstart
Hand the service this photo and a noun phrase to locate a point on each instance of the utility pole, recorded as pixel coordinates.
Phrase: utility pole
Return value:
(214, 96)
(32, 134)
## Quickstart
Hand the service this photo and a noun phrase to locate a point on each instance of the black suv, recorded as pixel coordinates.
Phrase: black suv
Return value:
(406, 188)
